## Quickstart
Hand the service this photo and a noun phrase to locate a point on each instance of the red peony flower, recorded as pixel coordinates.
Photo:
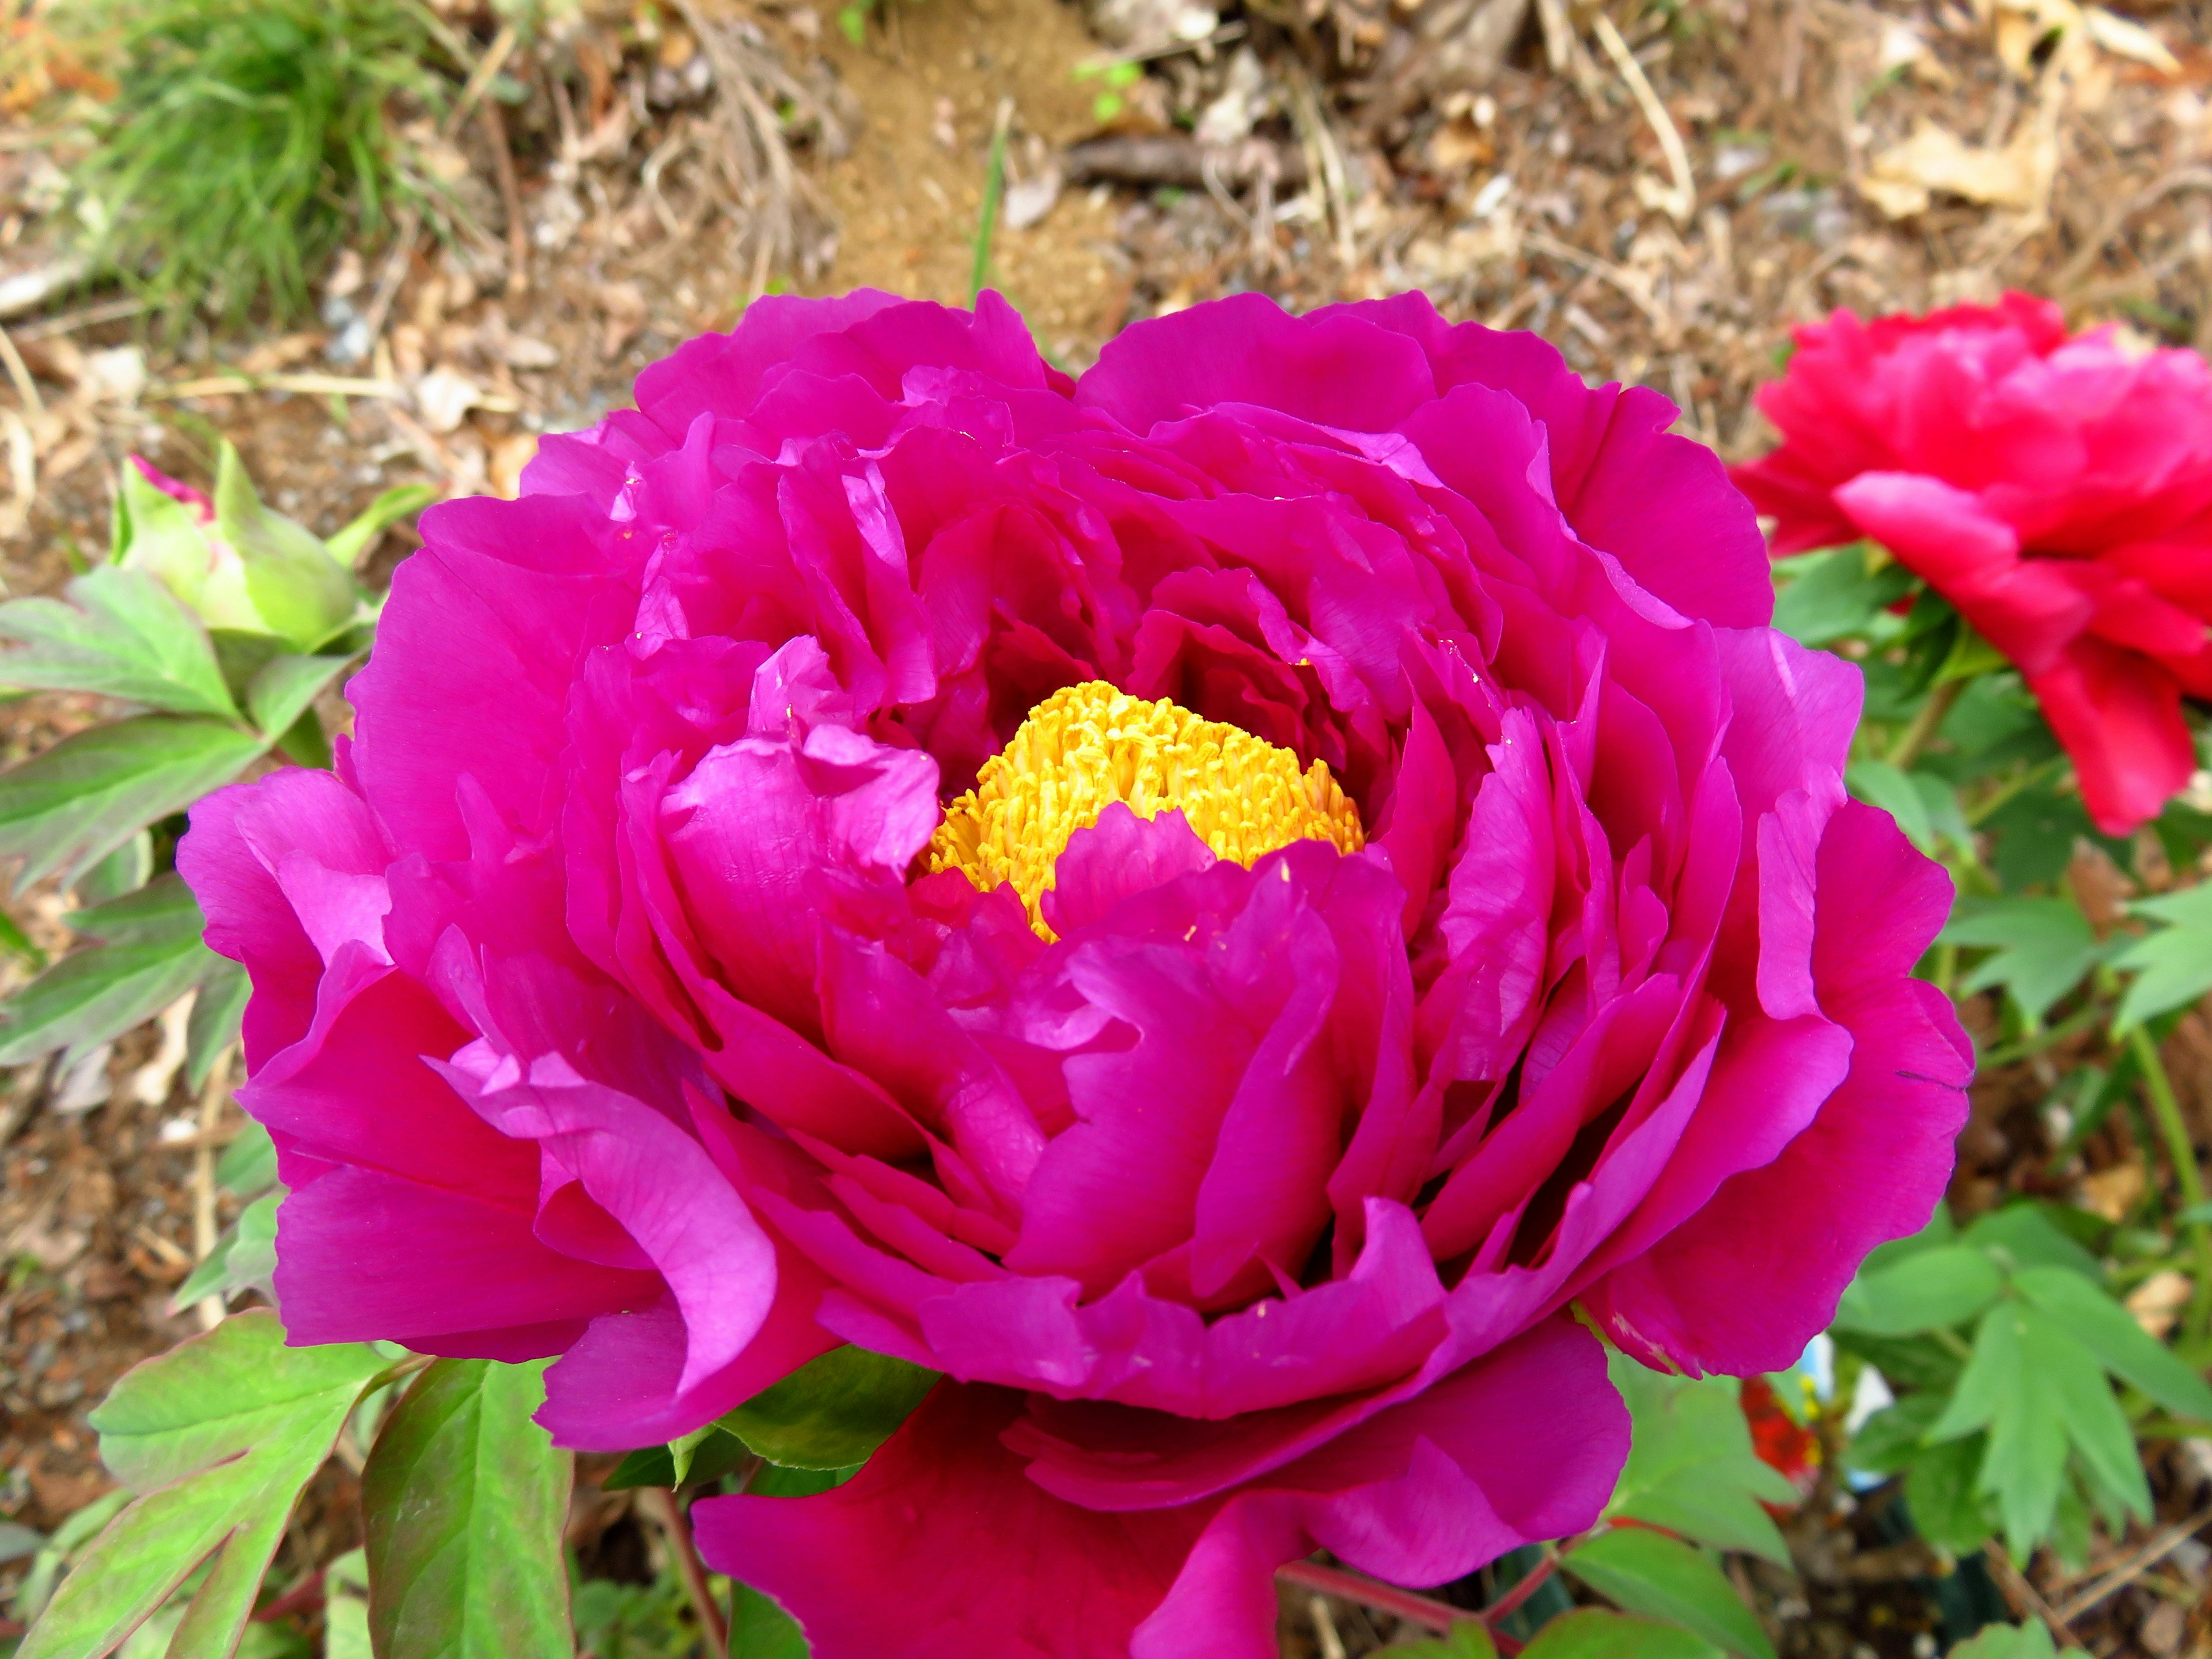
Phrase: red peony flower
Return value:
(1207, 904)
(2057, 490)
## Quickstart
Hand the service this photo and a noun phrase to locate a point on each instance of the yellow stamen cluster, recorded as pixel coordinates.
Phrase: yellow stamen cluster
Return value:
(1089, 745)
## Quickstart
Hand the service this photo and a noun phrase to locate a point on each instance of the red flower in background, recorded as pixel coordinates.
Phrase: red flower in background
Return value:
(2056, 489)
(1782, 1442)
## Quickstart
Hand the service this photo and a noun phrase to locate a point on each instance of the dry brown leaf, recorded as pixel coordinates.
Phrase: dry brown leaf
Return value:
(1903, 179)
(2113, 1193)
(508, 456)
(2158, 1301)
(2124, 37)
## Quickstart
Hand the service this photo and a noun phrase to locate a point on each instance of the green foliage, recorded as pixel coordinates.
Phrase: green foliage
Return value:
(229, 630)
(243, 1259)
(2173, 965)
(833, 1411)
(1926, 806)
(463, 1501)
(1690, 1467)
(249, 140)
(1594, 1633)
(1664, 1578)
(64, 810)
(120, 634)
(827, 1417)
(2010, 1642)
(145, 952)
(761, 1630)
(2040, 948)
(1115, 78)
(1467, 1639)
(1824, 598)
(2027, 1433)
(216, 1437)
(637, 1621)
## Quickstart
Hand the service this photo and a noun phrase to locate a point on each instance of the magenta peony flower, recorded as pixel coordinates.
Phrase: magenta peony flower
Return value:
(1208, 903)
(2057, 491)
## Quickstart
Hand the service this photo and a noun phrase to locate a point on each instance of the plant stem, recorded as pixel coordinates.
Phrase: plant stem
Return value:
(1531, 1582)
(1423, 1610)
(668, 1512)
(1990, 805)
(994, 185)
(2049, 1037)
(1911, 741)
(2186, 1173)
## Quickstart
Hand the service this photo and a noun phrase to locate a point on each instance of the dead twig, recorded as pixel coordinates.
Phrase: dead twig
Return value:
(2024, 1596)
(2161, 1546)
(1149, 160)
(2086, 256)
(779, 207)
(19, 372)
(1680, 201)
(510, 196)
(317, 385)
(1625, 282)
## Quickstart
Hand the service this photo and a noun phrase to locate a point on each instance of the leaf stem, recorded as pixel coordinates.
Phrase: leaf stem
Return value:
(1531, 1582)
(2049, 1037)
(1988, 807)
(1423, 1610)
(1911, 741)
(668, 1513)
(2187, 1174)
(994, 185)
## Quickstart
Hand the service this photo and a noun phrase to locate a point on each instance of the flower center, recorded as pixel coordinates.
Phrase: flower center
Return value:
(1086, 746)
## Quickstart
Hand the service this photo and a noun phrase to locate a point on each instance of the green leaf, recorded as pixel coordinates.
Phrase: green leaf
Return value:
(1690, 1467)
(358, 535)
(2110, 1332)
(345, 1608)
(2010, 1642)
(1932, 1290)
(1594, 1633)
(1946, 1504)
(146, 953)
(1832, 596)
(1880, 784)
(463, 1504)
(2172, 966)
(1892, 1438)
(297, 589)
(2036, 831)
(217, 1013)
(713, 1454)
(2026, 1238)
(1468, 1639)
(2042, 948)
(833, 1411)
(247, 1167)
(2021, 1406)
(125, 869)
(120, 634)
(68, 807)
(243, 1259)
(218, 1436)
(761, 1630)
(1662, 1577)
(285, 685)
(2095, 1425)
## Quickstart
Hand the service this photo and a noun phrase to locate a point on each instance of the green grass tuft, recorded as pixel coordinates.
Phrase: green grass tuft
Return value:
(249, 140)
